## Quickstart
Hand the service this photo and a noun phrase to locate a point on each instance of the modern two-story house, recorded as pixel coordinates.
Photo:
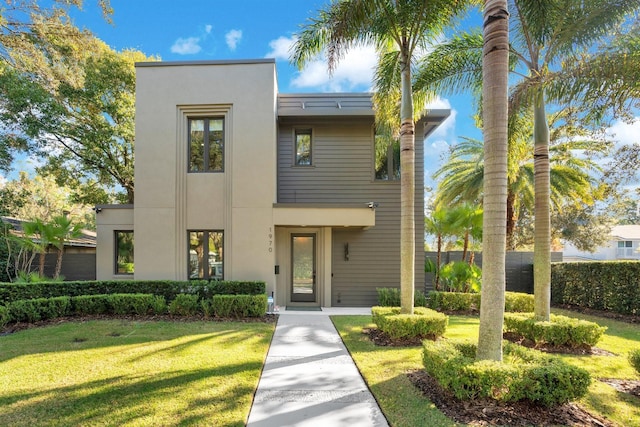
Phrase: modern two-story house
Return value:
(235, 181)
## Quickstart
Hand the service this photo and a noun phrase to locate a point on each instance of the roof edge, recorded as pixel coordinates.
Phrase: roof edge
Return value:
(204, 62)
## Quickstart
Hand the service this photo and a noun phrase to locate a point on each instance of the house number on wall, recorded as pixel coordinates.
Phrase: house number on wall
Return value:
(270, 239)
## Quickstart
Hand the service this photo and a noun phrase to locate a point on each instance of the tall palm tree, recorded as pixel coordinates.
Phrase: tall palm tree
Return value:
(461, 177)
(546, 36)
(495, 72)
(397, 28)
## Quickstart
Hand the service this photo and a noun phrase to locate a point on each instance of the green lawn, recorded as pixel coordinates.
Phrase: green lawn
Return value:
(384, 369)
(127, 373)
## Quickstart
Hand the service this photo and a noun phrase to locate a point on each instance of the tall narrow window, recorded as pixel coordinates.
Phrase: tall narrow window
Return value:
(124, 252)
(303, 147)
(206, 255)
(206, 144)
(387, 158)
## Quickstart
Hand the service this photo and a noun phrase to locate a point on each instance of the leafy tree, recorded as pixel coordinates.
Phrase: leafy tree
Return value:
(83, 130)
(22, 24)
(547, 37)
(398, 29)
(495, 70)
(461, 178)
(40, 197)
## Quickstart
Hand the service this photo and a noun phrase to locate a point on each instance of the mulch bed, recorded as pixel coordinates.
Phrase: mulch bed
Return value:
(488, 412)
(564, 349)
(628, 318)
(15, 327)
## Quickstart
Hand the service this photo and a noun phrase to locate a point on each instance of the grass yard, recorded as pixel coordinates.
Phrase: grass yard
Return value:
(384, 369)
(128, 373)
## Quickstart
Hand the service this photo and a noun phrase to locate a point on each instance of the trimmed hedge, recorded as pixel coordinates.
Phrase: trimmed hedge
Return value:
(33, 310)
(238, 306)
(390, 297)
(611, 286)
(465, 301)
(560, 331)
(424, 323)
(10, 292)
(524, 374)
(634, 359)
(185, 305)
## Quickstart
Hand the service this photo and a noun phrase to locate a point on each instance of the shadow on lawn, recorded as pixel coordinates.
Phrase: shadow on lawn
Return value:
(107, 333)
(180, 397)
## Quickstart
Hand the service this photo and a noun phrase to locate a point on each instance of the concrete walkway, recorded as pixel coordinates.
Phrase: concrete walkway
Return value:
(309, 378)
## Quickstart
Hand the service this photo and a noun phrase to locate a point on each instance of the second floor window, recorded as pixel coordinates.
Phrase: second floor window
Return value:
(303, 147)
(387, 158)
(206, 144)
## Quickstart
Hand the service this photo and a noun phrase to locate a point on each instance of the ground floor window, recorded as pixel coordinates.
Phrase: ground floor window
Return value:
(206, 255)
(124, 252)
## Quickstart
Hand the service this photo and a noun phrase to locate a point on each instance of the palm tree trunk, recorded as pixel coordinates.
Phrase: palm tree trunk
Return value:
(407, 189)
(41, 262)
(438, 261)
(542, 221)
(58, 262)
(495, 71)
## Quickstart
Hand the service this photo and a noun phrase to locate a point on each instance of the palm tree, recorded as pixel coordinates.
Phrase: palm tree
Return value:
(495, 71)
(546, 37)
(397, 28)
(61, 230)
(438, 224)
(39, 233)
(461, 177)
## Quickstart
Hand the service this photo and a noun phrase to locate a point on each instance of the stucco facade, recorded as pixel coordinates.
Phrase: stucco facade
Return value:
(308, 218)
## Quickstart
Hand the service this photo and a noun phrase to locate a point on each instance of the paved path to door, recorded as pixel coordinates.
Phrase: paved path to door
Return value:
(309, 378)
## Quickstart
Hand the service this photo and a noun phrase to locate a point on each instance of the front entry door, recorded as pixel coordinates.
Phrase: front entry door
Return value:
(303, 267)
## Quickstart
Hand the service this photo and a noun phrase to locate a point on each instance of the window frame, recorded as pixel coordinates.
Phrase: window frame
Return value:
(206, 151)
(302, 131)
(395, 162)
(116, 248)
(206, 250)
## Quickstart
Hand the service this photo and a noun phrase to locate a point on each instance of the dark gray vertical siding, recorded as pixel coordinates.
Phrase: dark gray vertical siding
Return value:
(342, 172)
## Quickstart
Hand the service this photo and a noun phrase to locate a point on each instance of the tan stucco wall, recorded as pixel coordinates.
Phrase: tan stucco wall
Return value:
(170, 201)
(108, 220)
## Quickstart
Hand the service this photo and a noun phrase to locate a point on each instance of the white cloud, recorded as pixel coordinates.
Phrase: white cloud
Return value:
(233, 37)
(186, 46)
(354, 71)
(624, 132)
(208, 28)
(280, 48)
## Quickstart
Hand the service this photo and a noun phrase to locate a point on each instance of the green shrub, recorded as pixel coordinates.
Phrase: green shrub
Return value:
(524, 374)
(611, 285)
(159, 304)
(518, 302)
(424, 323)
(390, 297)
(32, 310)
(139, 304)
(460, 276)
(90, 304)
(239, 306)
(453, 301)
(4, 316)
(634, 359)
(560, 331)
(185, 305)
(167, 288)
(207, 307)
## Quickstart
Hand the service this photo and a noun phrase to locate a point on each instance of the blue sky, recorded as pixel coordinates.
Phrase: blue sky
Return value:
(246, 29)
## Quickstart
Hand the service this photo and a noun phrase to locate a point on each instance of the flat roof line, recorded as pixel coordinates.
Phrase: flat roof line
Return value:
(205, 62)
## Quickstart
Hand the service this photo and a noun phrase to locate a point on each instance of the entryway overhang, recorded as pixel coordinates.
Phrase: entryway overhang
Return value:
(324, 215)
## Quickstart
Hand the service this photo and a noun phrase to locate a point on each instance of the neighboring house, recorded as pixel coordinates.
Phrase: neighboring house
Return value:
(623, 245)
(85, 243)
(235, 181)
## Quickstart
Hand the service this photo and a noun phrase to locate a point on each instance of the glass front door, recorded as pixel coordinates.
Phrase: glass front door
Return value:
(303, 267)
